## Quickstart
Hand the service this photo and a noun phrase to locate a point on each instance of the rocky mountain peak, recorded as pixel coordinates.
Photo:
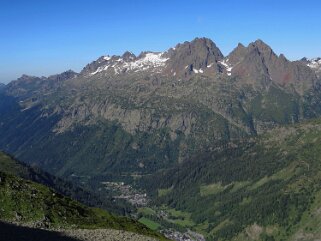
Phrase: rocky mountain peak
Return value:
(314, 64)
(128, 56)
(27, 82)
(261, 48)
(196, 57)
(257, 64)
(240, 45)
(203, 47)
(127, 63)
(63, 76)
(237, 54)
(199, 56)
(26, 77)
(261, 44)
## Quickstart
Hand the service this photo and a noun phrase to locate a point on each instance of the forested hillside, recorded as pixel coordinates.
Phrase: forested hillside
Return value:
(264, 188)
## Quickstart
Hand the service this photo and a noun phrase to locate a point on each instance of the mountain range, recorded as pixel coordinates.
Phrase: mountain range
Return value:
(186, 122)
(162, 101)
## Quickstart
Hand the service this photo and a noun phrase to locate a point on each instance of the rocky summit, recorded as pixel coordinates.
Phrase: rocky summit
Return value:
(314, 64)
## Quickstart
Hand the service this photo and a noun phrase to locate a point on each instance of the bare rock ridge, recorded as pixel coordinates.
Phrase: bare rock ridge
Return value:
(27, 83)
(256, 64)
(199, 56)
(63, 76)
(259, 62)
(196, 57)
(27, 79)
(57, 77)
(314, 64)
(237, 54)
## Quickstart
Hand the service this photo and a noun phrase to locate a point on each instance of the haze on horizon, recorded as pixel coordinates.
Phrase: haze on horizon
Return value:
(43, 38)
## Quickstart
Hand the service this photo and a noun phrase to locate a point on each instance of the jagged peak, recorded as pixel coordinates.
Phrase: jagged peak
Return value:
(68, 74)
(128, 56)
(259, 41)
(64, 75)
(28, 77)
(240, 45)
(314, 63)
(198, 56)
(237, 54)
(205, 42)
(202, 40)
(143, 54)
(69, 71)
(282, 57)
(304, 59)
(261, 46)
(196, 41)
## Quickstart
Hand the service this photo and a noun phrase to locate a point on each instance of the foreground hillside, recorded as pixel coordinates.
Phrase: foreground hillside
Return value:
(10, 165)
(26, 202)
(264, 188)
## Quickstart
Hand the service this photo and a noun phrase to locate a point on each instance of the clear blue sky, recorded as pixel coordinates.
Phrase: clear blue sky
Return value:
(43, 37)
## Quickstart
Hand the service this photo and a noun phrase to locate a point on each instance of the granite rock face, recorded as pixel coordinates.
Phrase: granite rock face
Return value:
(257, 64)
(314, 64)
(29, 86)
(198, 56)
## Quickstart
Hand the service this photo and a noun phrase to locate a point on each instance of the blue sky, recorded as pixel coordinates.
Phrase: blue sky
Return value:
(43, 37)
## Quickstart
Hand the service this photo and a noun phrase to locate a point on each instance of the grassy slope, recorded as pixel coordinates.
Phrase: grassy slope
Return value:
(267, 188)
(10, 165)
(29, 202)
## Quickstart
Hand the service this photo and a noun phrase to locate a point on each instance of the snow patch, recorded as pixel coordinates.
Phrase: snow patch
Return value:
(153, 61)
(210, 65)
(315, 63)
(196, 71)
(227, 66)
(100, 69)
